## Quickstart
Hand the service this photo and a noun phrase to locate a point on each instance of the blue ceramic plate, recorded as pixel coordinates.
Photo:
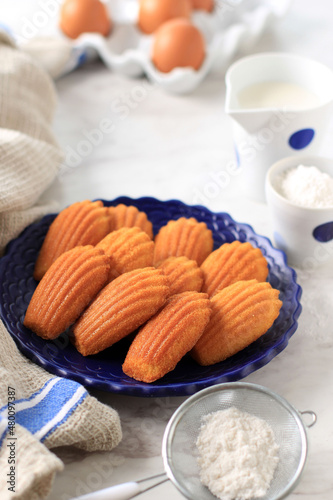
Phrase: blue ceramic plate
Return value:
(103, 371)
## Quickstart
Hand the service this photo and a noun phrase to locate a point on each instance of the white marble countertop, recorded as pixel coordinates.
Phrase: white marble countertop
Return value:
(170, 147)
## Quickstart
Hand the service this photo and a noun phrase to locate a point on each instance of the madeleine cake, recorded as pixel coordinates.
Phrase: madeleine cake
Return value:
(168, 336)
(120, 308)
(129, 216)
(183, 237)
(184, 274)
(233, 262)
(66, 289)
(129, 248)
(82, 223)
(241, 313)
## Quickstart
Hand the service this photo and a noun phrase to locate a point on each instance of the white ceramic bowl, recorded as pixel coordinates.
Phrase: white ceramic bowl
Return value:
(305, 234)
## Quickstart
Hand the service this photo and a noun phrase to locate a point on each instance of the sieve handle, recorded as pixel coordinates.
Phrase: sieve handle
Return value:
(313, 417)
(124, 491)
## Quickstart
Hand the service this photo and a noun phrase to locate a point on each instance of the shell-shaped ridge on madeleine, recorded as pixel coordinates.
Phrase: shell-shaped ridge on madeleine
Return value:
(241, 313)
(129, 216)
(230, 263)
(165, 339)
(128, 248)
(184, 274)
(183, 237)
(80, 224)
(66, 289)
(120, 308)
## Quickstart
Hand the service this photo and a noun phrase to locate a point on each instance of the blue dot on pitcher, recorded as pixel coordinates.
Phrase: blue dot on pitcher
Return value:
(237, 156)
(324, 232)
(302, 138)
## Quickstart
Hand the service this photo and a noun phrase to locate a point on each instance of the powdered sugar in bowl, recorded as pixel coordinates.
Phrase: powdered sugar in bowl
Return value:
(299, 193)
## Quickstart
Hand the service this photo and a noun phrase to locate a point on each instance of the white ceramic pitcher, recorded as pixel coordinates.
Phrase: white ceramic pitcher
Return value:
(263, 135)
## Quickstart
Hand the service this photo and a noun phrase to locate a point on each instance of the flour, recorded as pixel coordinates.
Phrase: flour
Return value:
(238, 454)
(307, 187)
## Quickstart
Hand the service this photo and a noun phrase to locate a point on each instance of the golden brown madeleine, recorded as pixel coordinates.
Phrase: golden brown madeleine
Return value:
(184, 274)
(241, 313)
(233, 262)
(183, 237)
(128, 248)
(167, 336)
(72, 281)
(120, 308)
(82, 223)
(129, 216)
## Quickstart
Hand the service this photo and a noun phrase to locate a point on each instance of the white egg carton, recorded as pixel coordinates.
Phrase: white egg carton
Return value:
(233, 26)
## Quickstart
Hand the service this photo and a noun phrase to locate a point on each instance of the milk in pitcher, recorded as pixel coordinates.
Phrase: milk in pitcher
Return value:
(275, 94)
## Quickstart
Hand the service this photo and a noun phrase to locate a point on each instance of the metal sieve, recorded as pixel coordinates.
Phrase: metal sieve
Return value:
(180, 453)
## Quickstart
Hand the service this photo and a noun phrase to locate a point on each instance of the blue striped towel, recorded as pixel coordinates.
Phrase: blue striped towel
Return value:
(43, 411)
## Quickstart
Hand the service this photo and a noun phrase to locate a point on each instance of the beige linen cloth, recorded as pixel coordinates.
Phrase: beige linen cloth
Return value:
(29, 161)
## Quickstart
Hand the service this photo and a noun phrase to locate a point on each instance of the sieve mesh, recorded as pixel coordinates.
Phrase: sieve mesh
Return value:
(179, 449)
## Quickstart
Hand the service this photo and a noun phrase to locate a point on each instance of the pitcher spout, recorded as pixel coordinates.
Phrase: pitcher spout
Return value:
(251, 121)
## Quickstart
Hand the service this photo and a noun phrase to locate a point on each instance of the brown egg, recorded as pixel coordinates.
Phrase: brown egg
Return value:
(207, 5)
(84, 16)
(178, 44)
(153, 13)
